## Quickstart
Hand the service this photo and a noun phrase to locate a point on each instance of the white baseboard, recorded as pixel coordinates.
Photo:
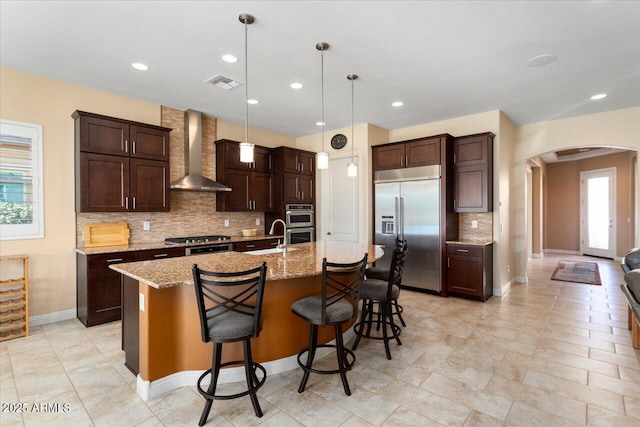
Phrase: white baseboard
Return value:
(521, 279)
(561, 251)
(503, 289)
(148, 390)
(537, 256)
(58, 316)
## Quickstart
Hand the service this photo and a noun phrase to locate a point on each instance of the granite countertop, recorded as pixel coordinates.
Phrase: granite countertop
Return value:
(472, 242)
(300, 260)
(162, 245)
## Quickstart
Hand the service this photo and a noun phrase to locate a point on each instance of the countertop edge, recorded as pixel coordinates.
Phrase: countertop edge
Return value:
(470, 243)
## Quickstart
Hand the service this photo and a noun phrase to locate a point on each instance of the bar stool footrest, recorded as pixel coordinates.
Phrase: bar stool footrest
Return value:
(327, 372)
(256, 366)
(394, 328)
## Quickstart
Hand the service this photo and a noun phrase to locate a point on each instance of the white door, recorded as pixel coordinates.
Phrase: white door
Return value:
(598, 212)
(340, 202)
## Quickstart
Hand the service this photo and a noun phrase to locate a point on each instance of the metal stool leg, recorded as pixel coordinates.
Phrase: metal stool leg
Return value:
(313, 340)
(342, 359)
(360, 325)
(398, 311)
(250, 374)
(215, 371)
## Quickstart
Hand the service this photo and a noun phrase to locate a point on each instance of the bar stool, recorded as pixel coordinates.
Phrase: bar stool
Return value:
(382, 273)
(382, 293)
(230, 308)
(337, 304)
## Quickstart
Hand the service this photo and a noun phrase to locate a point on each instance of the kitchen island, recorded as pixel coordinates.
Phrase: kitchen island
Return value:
(160, 323)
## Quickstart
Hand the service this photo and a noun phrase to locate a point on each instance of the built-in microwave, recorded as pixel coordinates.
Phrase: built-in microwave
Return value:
(300, 235)
(299, 215)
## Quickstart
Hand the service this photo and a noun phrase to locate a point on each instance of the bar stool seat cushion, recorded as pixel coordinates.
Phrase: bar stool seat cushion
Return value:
(311, 308)
(230, 325)
(376, 290)
(377, 273)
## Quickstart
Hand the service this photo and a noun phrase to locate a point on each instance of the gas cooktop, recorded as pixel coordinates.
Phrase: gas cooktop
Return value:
(196, 239)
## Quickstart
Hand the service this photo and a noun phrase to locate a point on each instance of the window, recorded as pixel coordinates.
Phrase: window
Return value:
(21, 207)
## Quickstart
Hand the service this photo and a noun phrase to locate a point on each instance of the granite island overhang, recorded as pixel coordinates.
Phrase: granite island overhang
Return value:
(160, 324)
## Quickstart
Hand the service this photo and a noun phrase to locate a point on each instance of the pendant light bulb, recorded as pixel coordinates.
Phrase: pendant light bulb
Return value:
(323, 156)
(246, 148)
(352, 167)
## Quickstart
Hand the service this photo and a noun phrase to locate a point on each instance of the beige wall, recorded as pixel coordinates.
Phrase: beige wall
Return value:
(33, 99)
(235, 132)
(536, 211)
(563, 193)
(510, 239)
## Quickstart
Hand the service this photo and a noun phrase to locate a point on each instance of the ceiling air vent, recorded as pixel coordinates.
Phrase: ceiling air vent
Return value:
(222, 82)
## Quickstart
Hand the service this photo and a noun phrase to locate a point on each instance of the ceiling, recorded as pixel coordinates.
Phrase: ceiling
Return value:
(442, 59)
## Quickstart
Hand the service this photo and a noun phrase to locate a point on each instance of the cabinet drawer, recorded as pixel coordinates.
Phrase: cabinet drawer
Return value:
(160, 253)
(254, 245)
(464, 250)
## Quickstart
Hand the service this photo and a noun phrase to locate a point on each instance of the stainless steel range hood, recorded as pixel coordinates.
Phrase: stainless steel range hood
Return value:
(194, 181)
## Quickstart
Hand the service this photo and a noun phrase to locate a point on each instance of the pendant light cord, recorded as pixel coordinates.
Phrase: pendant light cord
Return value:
(246, 86)
(322, 95)
(352, 140)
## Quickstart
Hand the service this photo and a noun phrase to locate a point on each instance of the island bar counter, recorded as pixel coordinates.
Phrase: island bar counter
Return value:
(160, 325)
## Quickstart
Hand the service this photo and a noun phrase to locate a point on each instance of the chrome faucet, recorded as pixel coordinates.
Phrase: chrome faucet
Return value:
(273, 225)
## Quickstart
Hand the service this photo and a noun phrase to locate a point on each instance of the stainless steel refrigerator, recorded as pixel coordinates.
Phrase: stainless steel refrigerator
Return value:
(407, 206)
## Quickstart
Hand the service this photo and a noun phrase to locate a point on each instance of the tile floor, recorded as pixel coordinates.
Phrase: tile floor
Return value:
(547, 354)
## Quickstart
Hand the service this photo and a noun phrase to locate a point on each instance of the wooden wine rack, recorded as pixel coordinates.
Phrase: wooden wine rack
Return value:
(14, 301)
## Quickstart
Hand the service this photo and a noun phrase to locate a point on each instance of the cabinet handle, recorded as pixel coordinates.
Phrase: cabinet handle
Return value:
(114, 260)
(454, 204)
(301, 167)
(463, 250)
(406, 161)
(401, 161)
(160, 255)
(126, 146)
(274, 243)
(454, 158)
(302, 195)
(134, 203)
(448, 262)
(251, 246)
(126, 202)
(133, 147)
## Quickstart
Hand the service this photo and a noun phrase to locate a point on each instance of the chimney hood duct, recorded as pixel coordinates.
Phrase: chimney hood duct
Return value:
(194, 181)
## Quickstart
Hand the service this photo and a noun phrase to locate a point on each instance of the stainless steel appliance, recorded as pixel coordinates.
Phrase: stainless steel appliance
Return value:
(299, 215)
(407, 206)
(299, 235)
(202, 249)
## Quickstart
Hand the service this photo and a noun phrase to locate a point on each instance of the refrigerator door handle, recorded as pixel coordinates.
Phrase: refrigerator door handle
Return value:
(397, 231)
(401, 218)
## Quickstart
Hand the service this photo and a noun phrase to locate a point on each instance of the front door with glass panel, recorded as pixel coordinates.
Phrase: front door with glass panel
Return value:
(598, 212)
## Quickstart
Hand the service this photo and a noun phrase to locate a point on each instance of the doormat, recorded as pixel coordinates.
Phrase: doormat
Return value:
(577, 272)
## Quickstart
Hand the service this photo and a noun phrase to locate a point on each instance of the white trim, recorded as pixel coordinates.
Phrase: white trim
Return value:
(584, 176)
(538, 256)
(561, 251)
(148, 390)
(521, 279)
(58, 316)
(498, 292)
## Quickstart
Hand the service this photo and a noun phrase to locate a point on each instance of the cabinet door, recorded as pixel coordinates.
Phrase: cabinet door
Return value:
(104, 136)
(232, 155)
(307, 163)
(306, 189)
(104, 183)
(238, 198)
(471, 189)
(291, 161)
(160, 253)
(291, 188)
(149, 185)
(472, 150)
(262, 191)
(388, 157)
(103, 287)
(262, 160)
(149, 143)
(422, 153)
(464, 275)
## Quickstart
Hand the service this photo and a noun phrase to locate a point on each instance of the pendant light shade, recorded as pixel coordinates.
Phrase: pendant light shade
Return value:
(352, 167)
(246, 148)
(323, 156)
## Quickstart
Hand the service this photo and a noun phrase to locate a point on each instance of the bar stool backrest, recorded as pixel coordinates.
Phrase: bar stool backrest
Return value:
(341, 281)
(397, 267)
(219, 293)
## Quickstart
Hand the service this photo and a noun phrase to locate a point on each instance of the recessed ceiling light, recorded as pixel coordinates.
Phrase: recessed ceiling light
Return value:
(140, 66)
(296, 85)
(397, 104)
(252, 101)
(229, 58)
(540, 60)
(319, 124)
(599, 96)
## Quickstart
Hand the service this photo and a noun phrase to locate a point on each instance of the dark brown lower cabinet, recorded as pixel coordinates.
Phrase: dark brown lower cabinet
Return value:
(470, 271)
(98, 288)
(254, 245)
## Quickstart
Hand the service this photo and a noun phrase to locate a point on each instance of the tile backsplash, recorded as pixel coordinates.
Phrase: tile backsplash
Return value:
(484, 230)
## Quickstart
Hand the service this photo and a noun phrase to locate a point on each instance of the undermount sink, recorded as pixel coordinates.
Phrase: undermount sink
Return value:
(269, 251)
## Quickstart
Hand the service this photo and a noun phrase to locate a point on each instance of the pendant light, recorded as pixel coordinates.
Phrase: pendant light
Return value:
(323, 156)
(246, 148)
(352, 168)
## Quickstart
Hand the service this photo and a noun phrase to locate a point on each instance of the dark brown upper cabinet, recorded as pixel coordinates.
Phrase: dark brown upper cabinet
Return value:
(291, 160)
(407, 154)
(294, 176)
(473, 173)
(252, 184)
(121, 166)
